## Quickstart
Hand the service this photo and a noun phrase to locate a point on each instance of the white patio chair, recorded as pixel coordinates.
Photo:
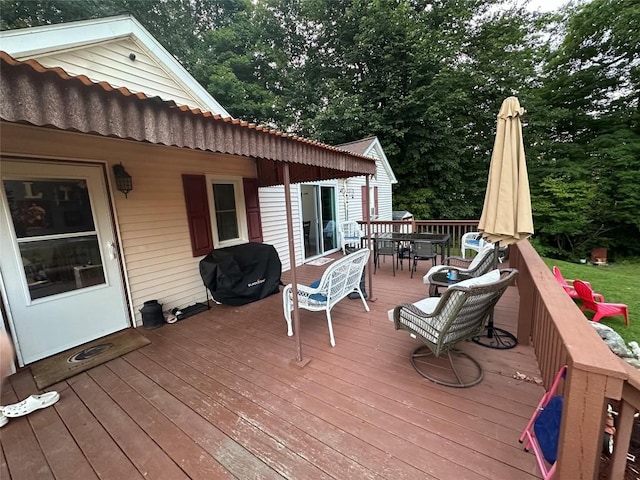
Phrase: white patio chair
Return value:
(350, 235)
(472, 241)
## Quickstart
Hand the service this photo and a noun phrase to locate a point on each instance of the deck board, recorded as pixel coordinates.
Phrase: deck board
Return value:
(218, 396)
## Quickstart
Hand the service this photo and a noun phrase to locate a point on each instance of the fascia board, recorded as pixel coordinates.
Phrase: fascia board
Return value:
(383, 158)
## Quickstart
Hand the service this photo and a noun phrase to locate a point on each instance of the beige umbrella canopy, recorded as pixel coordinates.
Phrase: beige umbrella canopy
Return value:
(506, 215)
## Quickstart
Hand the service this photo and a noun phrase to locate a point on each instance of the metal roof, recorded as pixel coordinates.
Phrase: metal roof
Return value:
(49, 97)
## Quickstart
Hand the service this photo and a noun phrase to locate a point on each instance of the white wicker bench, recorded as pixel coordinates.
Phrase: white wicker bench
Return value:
(339, 280)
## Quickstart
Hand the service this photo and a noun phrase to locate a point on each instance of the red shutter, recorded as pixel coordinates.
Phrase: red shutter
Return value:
(252, 204)
(375, 200)
(364, 202)
(195, 195)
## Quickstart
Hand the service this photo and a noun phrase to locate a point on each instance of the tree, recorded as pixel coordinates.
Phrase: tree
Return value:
(591, 119)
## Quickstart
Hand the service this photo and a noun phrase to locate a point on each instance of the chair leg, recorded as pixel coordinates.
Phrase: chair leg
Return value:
(466, 375)
(364, 301)
(331, 337)
(288, 306)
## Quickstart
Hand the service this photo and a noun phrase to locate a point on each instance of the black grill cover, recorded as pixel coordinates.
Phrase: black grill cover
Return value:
(242, 274)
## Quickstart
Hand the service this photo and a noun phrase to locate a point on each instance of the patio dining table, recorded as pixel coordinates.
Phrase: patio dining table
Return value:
(440, 240)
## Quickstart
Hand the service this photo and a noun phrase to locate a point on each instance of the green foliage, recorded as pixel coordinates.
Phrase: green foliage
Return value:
(427, 77)
(587, 130)
(563, 211)
(618, 283)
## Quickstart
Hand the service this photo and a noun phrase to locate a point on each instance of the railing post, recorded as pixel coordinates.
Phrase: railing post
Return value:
(527, 292)
(583, 413)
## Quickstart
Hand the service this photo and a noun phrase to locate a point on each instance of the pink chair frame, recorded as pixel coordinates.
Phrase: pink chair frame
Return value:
(529, 434)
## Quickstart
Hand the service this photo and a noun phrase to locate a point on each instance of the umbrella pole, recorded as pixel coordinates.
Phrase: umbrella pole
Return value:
(495, 337)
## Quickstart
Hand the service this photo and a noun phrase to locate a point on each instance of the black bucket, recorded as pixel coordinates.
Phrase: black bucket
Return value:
(152, 316)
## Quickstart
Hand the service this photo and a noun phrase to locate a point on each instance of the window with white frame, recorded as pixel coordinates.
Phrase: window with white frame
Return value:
(228, 213)
(373, 203)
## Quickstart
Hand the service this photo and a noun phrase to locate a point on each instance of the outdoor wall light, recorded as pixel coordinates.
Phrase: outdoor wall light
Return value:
(347, 192)
(124, 183)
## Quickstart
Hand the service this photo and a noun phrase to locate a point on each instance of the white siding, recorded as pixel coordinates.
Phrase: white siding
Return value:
(382, 181)
(152, 221)
(109, 62)
(274, 222)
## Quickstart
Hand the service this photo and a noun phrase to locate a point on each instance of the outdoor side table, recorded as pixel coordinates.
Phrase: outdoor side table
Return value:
(439, 279)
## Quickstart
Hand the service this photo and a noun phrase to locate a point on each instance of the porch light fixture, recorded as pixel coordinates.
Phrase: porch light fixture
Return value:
(124, 183)
(347, 192)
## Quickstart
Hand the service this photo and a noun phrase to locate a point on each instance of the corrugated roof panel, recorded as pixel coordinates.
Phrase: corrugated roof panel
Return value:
(49, 97)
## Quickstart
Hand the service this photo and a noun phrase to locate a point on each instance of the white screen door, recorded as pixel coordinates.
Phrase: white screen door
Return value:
(59, 264)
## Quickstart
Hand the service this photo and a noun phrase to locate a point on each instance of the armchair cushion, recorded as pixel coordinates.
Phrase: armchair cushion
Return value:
(318, 297)
(489, 277)
(427, 305)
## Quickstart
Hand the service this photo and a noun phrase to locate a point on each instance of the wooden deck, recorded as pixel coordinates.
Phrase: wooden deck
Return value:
(215, 396)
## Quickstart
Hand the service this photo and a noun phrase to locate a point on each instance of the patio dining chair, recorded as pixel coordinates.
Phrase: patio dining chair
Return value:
(421, 250)
(567, 285)
(601, 309)
(385, 248)
(442, 323)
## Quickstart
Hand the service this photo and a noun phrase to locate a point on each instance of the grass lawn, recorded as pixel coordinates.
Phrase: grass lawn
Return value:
(618, 282)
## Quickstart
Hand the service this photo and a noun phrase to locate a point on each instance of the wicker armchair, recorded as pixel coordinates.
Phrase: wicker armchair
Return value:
(480, 264)
(441, 323)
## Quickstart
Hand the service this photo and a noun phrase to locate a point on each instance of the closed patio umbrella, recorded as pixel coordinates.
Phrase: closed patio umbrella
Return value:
(506, 214)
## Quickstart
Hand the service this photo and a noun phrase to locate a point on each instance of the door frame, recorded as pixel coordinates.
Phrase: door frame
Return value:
(7, 319)
(316, 227)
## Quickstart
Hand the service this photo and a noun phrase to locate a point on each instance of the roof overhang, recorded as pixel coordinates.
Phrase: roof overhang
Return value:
(48, 97)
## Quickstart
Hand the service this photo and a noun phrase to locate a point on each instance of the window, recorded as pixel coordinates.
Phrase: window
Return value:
(203, 219)
(228, 215)
(373, 198)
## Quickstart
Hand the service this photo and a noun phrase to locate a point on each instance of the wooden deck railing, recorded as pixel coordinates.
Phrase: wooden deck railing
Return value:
(550, 321)
(455, 228)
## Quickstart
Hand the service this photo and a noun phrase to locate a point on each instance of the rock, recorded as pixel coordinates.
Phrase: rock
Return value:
(613, 340)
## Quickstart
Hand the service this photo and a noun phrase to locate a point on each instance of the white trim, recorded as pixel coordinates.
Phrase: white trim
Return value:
(27, 43)
(375, 145)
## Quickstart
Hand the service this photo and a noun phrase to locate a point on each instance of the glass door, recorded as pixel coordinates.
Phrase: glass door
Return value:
(319, 219)
(58, 257)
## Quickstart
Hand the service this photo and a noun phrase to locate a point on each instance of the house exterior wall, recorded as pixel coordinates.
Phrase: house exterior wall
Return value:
(152, 221)
(353, 207)
(274, 222)
(109, 62)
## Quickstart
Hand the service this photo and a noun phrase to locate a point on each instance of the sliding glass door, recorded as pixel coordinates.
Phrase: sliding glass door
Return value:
(319, 219)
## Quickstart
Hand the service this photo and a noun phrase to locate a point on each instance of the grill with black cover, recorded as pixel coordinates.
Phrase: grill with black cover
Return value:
(242, 274)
